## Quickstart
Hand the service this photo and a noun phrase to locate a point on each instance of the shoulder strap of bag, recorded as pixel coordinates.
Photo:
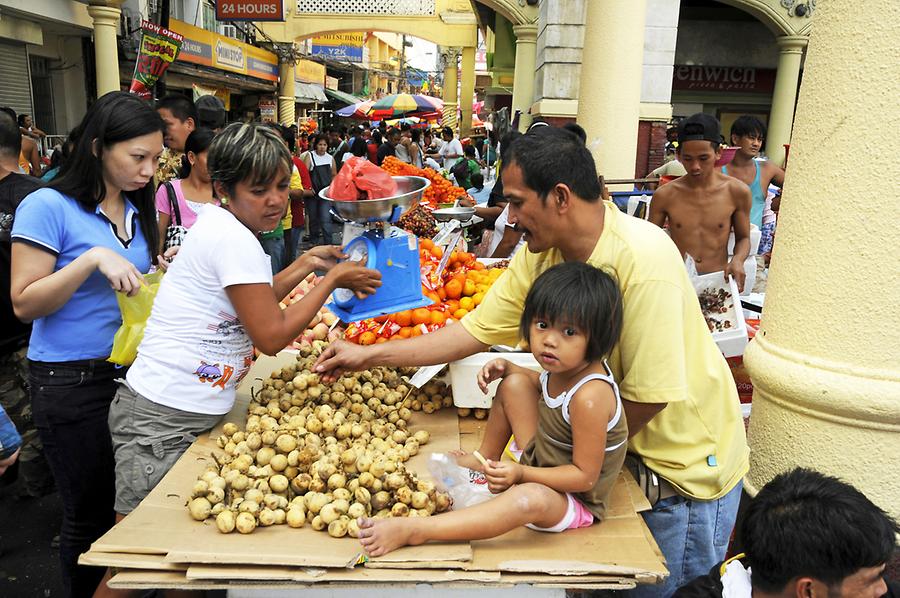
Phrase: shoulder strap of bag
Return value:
(173, 203)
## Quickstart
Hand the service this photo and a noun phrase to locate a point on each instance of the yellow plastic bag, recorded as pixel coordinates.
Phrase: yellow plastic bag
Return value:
(135, 313)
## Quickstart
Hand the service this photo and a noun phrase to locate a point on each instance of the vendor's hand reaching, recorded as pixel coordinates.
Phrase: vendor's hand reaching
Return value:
(500, 475)
(122, 275)
(467, 202)
(492, 370)
(323, 258)
(736, 269)
(354, 276)
(340, 357)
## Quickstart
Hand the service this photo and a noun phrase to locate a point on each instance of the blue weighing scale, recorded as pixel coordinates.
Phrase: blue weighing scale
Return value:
(390, 250)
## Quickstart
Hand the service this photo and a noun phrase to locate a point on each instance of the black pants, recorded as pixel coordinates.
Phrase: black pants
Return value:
(70, 401)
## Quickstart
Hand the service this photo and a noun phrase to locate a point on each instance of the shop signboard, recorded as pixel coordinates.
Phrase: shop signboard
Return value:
(723, 78)
(218, 51)
(249, 10)
(159, 48)
(308, 71)
(267, 109)
(339, 46)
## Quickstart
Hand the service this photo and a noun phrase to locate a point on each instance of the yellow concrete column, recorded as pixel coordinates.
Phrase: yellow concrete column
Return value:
(466, 90)
(382, 66)
(826, 363)
(609, 97)
(287, 94)
(451, 74)
(790, 49)
(106, 15)
(523, 82)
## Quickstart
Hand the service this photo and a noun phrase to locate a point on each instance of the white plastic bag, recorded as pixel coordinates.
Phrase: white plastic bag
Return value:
(465, 486)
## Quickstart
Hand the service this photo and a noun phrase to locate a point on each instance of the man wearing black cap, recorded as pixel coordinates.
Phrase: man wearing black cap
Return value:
(211, 112)
(703, 206)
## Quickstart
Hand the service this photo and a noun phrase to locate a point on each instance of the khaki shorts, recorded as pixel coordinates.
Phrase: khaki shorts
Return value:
(148, 439)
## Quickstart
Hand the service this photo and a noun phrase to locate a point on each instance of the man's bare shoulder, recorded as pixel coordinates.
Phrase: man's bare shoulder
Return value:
(737, 190)
(669, 190)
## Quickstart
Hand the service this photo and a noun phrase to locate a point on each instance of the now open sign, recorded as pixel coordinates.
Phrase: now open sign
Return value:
(249, 10)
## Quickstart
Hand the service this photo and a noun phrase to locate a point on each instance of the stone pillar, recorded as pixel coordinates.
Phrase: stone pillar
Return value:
(523, 82)
(790, 48)
(826, 363)
(609, 98)
(467, 90)
(451, 75)
(558, 63)
(106, 15)
(287, 95)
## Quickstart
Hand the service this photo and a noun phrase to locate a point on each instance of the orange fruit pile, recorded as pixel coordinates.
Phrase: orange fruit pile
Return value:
(441, 189)
(460, 290)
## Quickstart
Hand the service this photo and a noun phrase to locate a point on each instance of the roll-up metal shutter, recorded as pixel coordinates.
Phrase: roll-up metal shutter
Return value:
(15, 78)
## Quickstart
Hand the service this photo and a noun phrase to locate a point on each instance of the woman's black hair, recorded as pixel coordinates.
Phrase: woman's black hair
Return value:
(377, 136)
(21, 119)
(198, 142)
(359, 147)
(415, 135)
(315, 141)
(578, 294)
(115, 117)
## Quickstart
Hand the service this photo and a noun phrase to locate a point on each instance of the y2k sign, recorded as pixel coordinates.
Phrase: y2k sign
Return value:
(249, 10)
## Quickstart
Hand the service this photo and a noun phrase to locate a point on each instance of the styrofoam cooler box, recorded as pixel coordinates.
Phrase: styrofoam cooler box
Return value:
(464, 377)
(730, 342)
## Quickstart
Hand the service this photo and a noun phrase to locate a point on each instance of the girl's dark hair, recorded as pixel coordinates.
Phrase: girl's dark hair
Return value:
(116, 117)
(377, 137)
(315, 141)
(198, 141)
(578, 294)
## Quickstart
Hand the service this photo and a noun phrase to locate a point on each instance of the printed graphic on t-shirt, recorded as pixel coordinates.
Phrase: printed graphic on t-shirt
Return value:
(226, 353)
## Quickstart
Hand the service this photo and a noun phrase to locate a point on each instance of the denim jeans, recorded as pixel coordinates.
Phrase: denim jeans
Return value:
(318, 217)
(274, 248)
(692, 534)
(70, 402)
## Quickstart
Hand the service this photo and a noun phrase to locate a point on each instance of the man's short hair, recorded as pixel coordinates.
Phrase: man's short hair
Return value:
(700, 127)
(748, 125)
(549, 156)
(806, 524)
(181, 107)
(469, 151)
(10, 137)
(211, 112)
(577, 129)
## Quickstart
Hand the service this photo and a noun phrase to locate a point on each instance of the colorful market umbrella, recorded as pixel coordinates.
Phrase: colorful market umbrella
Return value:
(357, 111)
(404, 104)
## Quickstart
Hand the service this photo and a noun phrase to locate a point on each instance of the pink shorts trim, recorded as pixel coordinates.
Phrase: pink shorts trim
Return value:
(576, 516)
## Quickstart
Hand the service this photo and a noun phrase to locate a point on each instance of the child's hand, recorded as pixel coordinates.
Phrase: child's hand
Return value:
(500, 475)
(492, 370)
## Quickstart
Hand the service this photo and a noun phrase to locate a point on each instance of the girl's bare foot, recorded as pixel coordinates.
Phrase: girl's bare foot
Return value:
(381, 536)
(464, 459)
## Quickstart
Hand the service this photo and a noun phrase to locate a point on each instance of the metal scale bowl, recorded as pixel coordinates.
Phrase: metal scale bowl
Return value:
(391, 251)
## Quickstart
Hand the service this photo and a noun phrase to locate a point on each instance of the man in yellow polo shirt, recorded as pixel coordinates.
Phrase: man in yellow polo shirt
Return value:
(680, 399)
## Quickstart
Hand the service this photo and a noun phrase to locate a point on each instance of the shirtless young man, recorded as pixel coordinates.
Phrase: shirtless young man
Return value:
(748, 134)
(703, 206)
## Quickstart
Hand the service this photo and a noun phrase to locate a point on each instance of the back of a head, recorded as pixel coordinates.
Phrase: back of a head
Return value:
(10, 138)
(469, 151)
(551, 156)
(577, 130)
(210, 112)
(477, 180)
(197, 142)
(578, 294)
(359, 147)
(748, 125)
(806, 524)
(506, 142)
(249, 152)
(181, 107)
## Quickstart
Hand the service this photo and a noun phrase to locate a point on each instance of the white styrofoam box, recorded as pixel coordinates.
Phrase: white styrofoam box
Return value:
(464, 377)
(750, 262)
(730, 342)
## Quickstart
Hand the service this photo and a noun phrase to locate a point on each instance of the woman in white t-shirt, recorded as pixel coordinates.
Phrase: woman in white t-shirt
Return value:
(179, 200)
(217, 301)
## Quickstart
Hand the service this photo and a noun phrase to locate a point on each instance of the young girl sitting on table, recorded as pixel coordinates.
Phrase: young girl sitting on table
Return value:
(568, 418)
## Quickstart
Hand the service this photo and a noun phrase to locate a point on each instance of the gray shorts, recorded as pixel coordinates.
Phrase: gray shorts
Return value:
(148, 439)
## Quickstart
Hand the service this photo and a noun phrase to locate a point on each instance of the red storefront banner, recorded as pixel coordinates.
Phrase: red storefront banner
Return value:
(159, 48)
(249, 10)
(723, 78)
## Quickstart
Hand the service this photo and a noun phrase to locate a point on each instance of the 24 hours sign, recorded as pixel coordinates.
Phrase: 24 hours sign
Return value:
(249, 10)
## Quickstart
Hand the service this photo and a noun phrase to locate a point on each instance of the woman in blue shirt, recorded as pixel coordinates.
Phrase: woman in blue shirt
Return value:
(76, 243)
